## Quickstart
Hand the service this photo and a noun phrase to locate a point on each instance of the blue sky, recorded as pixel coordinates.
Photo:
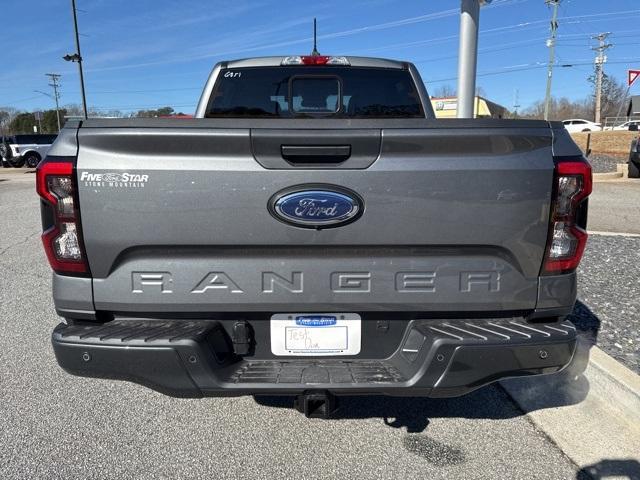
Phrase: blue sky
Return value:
(141, 54)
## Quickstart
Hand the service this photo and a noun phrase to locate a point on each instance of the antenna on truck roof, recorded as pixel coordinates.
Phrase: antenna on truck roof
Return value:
(315, 51)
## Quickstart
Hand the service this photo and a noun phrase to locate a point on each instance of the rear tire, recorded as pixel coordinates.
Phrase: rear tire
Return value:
(5, 151)
(634, 165)
(17, 162)
(32, 160)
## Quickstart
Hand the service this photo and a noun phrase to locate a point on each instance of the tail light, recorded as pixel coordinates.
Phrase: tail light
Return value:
(567, 230)
(62, 238)
(314, 60)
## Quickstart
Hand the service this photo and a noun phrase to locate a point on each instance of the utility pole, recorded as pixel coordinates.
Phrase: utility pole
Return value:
(468, 55)
(551, 43)
(600, 61)
(516, 103)
(56, 95)
(77, 57)
(38, 115)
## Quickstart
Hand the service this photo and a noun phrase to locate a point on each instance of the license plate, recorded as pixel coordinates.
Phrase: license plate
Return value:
(315, 334)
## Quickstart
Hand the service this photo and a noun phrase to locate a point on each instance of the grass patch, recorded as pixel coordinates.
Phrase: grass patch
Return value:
(610, 143)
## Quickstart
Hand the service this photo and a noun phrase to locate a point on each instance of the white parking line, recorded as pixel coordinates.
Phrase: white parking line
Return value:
(614, 234)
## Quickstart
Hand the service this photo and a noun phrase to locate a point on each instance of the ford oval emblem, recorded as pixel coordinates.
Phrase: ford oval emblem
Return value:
(316, 206)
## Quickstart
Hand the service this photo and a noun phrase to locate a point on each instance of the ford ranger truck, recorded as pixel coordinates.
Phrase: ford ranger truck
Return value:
(314, 232)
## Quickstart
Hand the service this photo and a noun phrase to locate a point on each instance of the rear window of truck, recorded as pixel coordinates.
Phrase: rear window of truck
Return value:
(302, 91)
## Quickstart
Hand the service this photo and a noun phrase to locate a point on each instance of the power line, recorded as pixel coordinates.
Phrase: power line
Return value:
(498, 30)
(533, 66)
(13, 102)
(504, 46)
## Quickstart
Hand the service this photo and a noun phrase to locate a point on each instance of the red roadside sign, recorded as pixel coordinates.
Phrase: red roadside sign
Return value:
(633, 76)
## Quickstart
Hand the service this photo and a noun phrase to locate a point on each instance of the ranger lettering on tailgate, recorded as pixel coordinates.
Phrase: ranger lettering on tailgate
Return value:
(359, 282)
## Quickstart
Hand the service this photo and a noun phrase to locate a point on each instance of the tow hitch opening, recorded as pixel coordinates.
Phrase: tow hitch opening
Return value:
(320, 404)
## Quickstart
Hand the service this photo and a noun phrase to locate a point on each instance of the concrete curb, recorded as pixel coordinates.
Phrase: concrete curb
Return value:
(603, 177)
(613, 234)
(591, 410)
(624, 383)
(622, 172)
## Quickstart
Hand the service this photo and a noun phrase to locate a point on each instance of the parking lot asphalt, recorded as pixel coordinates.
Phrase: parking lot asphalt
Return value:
(58, 426)
(601, 163)
(609, 305)
(613, 206)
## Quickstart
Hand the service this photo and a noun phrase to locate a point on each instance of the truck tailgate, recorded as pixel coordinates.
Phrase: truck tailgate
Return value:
(175, 218)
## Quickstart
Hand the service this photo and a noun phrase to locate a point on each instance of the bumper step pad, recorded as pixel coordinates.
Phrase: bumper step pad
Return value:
(317, 372)
(196, 358)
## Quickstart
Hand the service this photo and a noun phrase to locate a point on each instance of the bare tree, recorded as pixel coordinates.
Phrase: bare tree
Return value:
(444, 91)
(560, 109)
(7, 114)
(614, 94)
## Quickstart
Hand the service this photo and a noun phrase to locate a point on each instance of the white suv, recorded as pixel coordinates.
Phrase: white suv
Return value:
(18, 150)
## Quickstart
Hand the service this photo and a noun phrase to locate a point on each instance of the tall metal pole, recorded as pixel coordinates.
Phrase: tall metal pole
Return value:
(600, 61)
(468, 56)
(551, 43)
(75, 26)
(54, 83)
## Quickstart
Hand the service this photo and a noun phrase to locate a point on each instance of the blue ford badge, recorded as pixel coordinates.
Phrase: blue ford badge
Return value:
(316, 206)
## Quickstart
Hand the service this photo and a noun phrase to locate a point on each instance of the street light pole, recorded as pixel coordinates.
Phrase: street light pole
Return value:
(468, 57)
(78, 57)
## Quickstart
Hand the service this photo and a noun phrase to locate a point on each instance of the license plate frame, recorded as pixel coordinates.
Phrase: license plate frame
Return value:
(315, 334)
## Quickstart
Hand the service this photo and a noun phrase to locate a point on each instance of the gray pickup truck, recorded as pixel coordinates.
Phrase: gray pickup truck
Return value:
(314, 232)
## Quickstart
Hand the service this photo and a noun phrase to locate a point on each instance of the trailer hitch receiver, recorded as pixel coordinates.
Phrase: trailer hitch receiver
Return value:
(316, 404)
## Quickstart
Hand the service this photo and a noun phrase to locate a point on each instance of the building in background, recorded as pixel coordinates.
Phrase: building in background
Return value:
(447, 107)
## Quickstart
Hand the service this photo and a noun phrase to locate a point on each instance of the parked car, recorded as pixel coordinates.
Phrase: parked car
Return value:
(21, 150)
(625, 126)
(634, 159)
(338, 239)
(580, 125)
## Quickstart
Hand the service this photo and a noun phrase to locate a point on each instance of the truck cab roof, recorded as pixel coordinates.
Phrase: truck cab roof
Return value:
(275, 61)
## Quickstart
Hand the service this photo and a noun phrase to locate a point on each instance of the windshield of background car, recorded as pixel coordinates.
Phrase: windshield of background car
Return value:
(303, 91)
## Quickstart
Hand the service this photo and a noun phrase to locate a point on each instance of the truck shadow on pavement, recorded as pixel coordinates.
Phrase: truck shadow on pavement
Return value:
(492, 402)
(414, 413)
(622, 469)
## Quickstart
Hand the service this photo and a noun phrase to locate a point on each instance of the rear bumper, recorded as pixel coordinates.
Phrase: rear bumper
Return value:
(435, 358)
